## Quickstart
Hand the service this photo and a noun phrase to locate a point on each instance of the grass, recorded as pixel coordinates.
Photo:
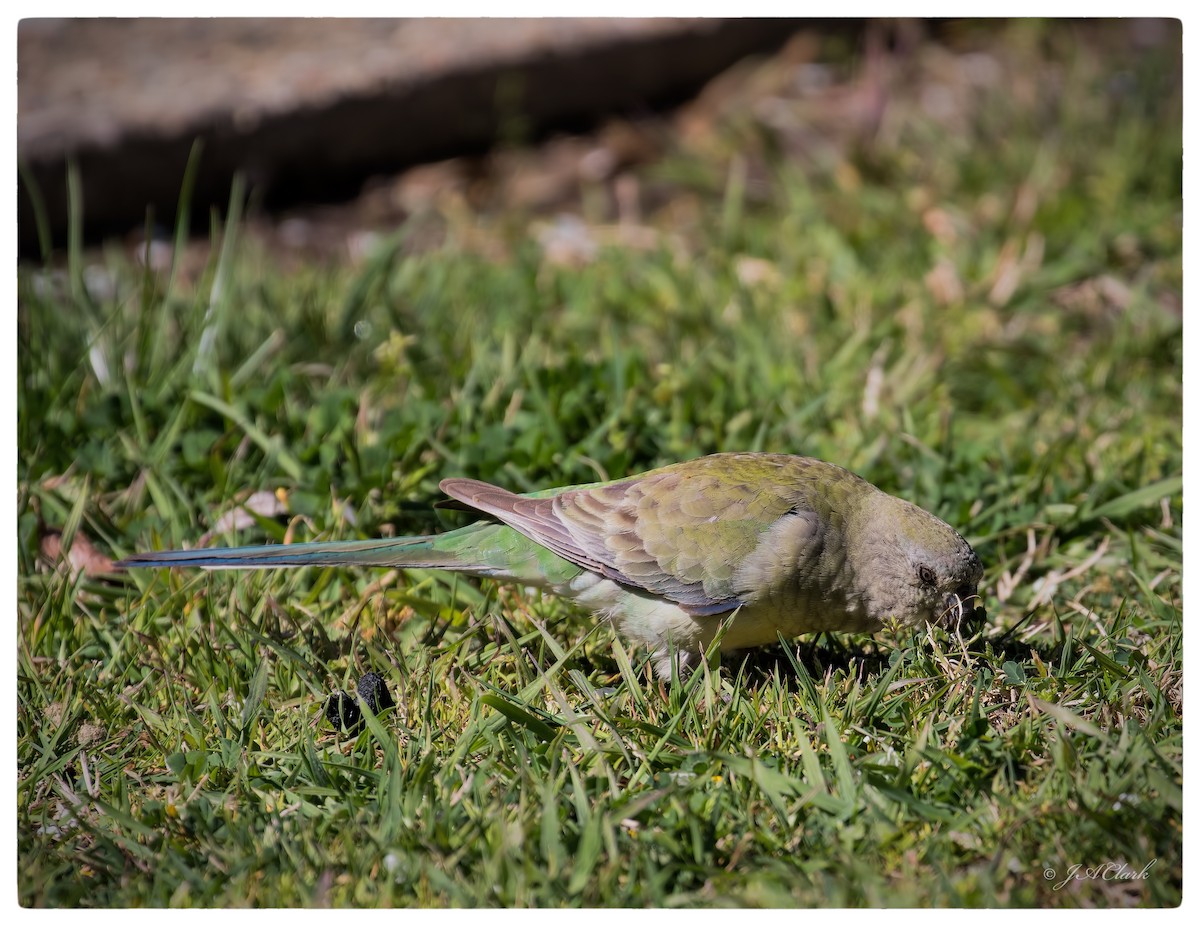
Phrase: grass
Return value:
(977, 310)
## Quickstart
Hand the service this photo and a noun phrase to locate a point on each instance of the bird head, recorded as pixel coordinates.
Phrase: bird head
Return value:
(910, 566)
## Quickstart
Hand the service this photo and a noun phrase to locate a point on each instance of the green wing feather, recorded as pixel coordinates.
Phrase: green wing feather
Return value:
(680, 532)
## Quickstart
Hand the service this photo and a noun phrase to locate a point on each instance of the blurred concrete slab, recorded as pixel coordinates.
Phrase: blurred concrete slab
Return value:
(309, 108)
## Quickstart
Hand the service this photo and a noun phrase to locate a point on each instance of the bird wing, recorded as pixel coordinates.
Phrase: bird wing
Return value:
(680, 532)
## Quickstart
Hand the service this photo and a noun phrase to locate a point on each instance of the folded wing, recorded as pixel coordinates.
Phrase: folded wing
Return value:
(680, 532)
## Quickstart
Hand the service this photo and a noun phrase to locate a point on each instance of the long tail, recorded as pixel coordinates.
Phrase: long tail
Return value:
(481, 549)
(412, 552)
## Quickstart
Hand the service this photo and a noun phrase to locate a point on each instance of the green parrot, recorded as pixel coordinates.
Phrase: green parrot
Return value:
(767, 543)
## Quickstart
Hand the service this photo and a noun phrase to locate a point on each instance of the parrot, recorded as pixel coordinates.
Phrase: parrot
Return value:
(756, 545)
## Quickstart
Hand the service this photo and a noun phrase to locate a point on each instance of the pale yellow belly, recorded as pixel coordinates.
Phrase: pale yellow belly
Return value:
(664, 626)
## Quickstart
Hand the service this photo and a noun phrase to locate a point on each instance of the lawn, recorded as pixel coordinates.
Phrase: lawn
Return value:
(971, 296)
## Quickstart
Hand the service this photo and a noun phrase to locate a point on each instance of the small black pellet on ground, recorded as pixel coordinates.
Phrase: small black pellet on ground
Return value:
(373, 692)
(342, 710)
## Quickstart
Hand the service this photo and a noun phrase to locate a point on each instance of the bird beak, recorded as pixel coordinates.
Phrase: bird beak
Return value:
(954, 606)
(961, 603)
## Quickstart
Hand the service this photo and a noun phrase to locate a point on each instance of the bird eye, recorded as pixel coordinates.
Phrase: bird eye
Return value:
(925, 574)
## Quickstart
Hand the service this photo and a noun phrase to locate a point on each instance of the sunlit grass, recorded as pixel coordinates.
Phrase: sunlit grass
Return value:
(982, 317)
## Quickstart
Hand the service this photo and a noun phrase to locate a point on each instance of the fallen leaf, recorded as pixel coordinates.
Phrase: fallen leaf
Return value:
(82, 557)
(265, 504)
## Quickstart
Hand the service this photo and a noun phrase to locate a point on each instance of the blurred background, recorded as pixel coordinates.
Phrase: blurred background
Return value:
(504, 113)
(311, 109)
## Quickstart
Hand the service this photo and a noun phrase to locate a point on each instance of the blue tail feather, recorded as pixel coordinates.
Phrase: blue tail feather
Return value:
(402, 551)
